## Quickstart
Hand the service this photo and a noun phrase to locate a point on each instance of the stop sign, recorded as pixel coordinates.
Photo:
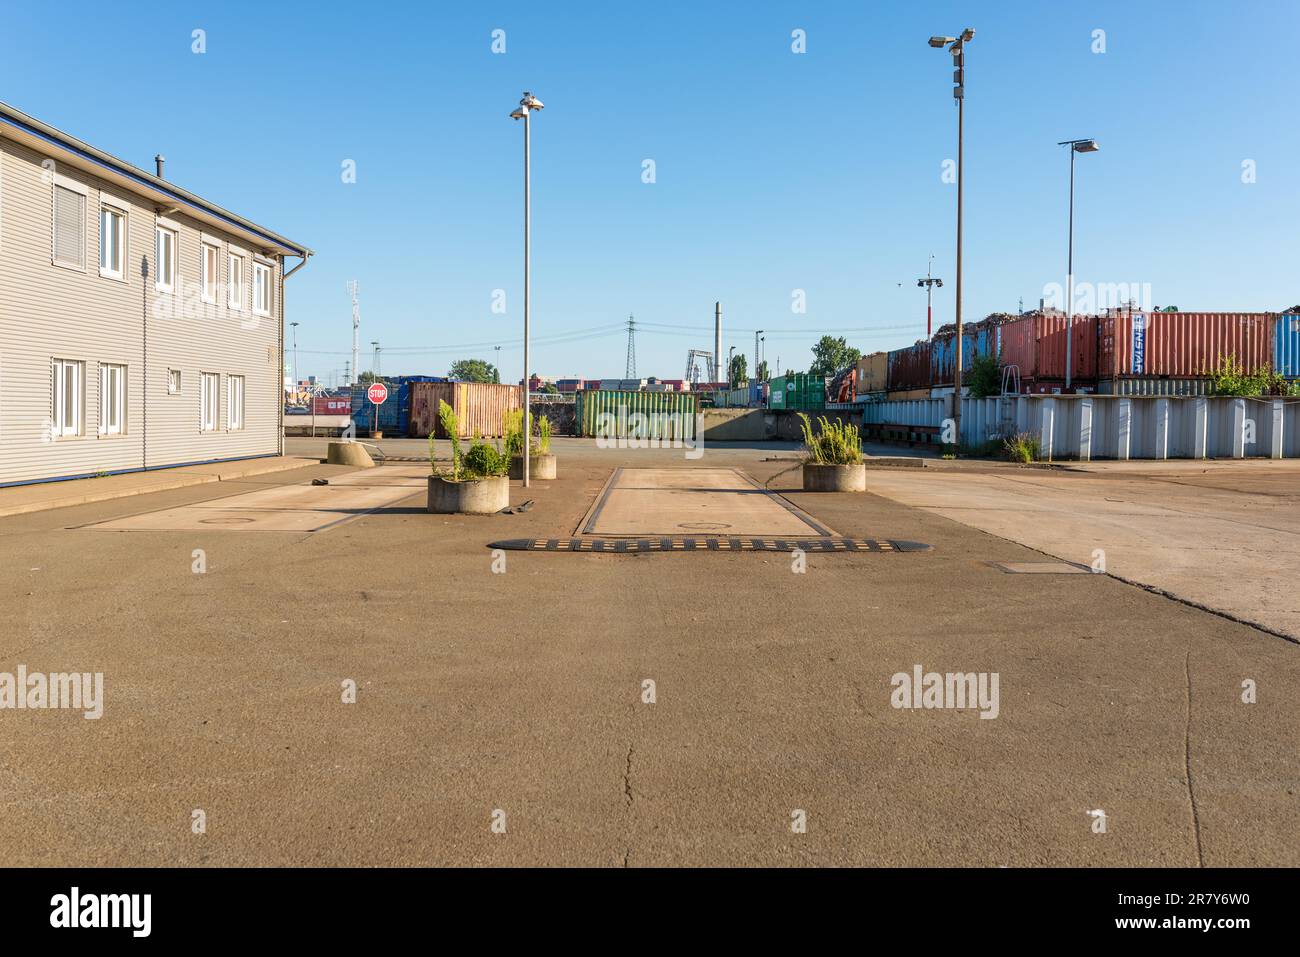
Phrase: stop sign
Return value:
(377, 393)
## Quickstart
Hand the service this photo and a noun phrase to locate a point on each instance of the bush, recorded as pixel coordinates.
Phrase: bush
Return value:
(837, 443)
(985, 377)
(1231, 380)
(1023, 447)
(543, 436)
(512, 427)
(483, 461)
(451, 425)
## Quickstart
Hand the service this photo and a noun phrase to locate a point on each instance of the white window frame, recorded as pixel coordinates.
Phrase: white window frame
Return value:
(263, 274)
(65, 426)
(111, 206)
(72, 186)
(173, 381)
(235, 403)
(234, 290)
(209, 400)
(210, 279)
(166, 283)
(112, 393)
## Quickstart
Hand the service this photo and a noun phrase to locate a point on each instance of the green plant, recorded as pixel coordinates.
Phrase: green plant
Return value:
(985, 377)
(512, 429)
(543, 436)
(836, 443)
(1230, 379)
(484, 461)
(1023, 447)
(450, 423)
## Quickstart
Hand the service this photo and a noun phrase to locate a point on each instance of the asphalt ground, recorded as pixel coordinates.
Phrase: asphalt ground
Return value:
(517, 695)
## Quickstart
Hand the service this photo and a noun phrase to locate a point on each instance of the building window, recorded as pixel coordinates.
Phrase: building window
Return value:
(69, 397)
(69, 228)
(173, 381)
(261, 289)
(208, 402)
(211, 271)
(235, 402)
(235, 281)
(165, 251)
(112, 243)
(112, 399)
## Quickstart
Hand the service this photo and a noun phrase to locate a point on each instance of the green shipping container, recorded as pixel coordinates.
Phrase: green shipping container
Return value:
(641, 415)
(800, 392)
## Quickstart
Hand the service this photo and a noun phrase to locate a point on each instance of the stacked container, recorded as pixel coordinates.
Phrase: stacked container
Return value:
(1173, 353)
(873, 376)
(977, 339)
(909, 370)
(1036, 346)
(1286, 345)
(665, 415)
(395, 412)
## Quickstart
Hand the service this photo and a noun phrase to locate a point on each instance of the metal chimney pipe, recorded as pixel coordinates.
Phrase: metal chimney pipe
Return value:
(159, 160)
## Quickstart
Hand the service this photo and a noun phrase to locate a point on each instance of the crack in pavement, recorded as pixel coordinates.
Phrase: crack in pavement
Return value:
(1187, 761)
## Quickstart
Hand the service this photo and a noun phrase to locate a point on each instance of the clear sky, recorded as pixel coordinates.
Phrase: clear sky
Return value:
(775, 171)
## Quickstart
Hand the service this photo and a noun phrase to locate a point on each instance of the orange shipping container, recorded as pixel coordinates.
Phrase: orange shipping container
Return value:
(873, 373)
(1036, 346)
(479, 407)
(1158, 344)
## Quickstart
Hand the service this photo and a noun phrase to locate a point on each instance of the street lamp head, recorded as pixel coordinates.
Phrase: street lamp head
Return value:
(940, 42)
(938, 282)
(1086, 146)
(519, 113)
(968, 34)
(530, 102)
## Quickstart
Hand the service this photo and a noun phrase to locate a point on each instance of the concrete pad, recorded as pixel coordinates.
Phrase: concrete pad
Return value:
(285, 508)
(703, 501)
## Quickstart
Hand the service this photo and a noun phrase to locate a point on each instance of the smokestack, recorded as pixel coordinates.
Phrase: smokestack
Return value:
(717, 342)
(159, 160)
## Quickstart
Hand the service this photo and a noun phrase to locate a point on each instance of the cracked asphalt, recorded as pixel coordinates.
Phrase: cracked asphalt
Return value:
(522, 696)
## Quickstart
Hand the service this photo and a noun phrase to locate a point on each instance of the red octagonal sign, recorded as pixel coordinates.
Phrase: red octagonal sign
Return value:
(377, 393)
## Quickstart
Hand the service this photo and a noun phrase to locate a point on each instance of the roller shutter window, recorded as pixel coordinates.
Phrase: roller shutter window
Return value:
(69, 228)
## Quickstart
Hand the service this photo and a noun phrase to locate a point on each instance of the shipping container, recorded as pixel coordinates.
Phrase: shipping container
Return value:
(898, 395)
(1036, 346)
(479, 407)
(1148, 386)
(331, 405)
(873, 373)
(909, 367)
(1183, 344)
(1286, 346)
(800, 392)
(977, 339)
(395, 411)
(643, 415)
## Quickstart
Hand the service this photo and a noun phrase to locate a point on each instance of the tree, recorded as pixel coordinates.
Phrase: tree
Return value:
(474, 370)
(366, 378)
(830, 355)
(985, 377)
(549, 388)
(762, 371)
(739, 372)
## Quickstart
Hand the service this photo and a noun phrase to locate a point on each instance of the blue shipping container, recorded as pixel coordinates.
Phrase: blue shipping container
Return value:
(1286, 346)
(976, 340)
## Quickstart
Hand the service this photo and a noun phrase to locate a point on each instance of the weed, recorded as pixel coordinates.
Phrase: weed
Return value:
(837, 443)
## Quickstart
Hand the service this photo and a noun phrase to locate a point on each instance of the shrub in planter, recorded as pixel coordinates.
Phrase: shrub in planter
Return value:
(832, 457)
(476, 482)
(541, 463)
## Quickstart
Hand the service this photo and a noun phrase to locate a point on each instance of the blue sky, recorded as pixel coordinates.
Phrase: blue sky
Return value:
(775, 171)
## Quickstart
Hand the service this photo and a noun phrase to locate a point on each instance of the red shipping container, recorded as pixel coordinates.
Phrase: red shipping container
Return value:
(1183, 343)
(331, 405)
(909, 368)
(1036, 344)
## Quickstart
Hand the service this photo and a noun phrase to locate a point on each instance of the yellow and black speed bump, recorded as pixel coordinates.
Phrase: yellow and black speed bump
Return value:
(623, 546)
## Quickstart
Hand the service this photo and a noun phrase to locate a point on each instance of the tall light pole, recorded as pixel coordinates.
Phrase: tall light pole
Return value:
(1076, 146)
(929, 282)
(757, 333)
(294, 325)
(523, 111)
(957, 47)
(730, 352)
(498, 357)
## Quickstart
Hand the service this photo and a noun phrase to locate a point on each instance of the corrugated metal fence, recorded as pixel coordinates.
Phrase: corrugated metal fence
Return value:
(641, 415)
(1117, 427)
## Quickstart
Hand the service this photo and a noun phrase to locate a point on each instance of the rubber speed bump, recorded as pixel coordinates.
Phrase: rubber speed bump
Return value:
(623, 546)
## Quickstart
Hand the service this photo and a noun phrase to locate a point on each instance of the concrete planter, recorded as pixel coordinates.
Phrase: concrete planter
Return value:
(834, 478)
(539, 467)
(476, 497)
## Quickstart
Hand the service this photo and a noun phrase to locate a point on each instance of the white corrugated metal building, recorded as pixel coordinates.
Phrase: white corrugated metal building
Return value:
(141, 326)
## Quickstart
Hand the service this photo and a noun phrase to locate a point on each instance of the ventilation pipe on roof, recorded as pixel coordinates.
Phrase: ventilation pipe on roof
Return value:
(159, 160)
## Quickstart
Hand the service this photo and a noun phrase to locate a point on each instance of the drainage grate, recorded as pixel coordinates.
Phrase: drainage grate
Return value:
(680, 544)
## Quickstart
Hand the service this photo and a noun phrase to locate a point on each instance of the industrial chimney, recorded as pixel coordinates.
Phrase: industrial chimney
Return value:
(717, 343)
